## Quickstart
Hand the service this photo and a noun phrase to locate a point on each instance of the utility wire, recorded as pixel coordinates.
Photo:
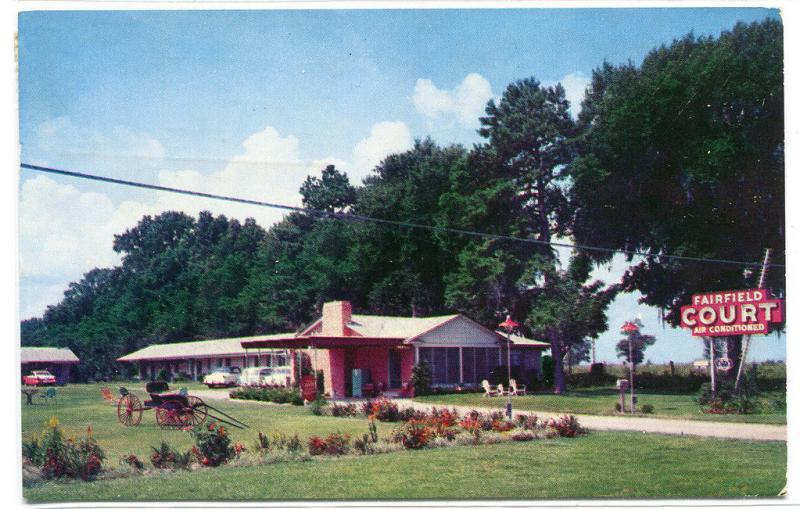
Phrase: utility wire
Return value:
(403, 224)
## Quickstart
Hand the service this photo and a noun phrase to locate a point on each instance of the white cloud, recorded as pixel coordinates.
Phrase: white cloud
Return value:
(64, 232)
(384, 138)
(575, 84)
(463, 105)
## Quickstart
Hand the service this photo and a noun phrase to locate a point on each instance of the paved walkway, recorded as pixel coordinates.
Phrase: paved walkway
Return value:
(716, 429)
(646, 424)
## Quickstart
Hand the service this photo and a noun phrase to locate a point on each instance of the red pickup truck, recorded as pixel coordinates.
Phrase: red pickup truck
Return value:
(39, 378)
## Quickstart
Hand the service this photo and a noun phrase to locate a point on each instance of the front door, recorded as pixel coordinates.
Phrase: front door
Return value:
(395, 381)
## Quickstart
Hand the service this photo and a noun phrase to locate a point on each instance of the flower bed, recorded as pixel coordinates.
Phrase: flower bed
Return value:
(214, 447)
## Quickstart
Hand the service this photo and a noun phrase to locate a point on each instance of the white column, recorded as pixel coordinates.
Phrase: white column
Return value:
(461, 365)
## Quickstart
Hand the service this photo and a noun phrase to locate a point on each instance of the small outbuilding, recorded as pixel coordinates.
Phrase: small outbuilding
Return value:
(58, 361)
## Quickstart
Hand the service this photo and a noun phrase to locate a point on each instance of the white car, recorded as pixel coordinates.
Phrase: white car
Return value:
(265, 376)
(279, 376)
(222, 377)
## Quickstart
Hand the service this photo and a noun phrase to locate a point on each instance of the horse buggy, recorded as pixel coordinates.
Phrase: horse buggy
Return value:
(173, 410)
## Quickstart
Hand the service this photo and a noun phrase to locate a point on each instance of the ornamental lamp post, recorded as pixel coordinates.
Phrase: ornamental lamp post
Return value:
(508, 325)
(629, 328)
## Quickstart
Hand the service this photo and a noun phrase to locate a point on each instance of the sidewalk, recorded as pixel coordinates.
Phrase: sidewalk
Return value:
(737, 430)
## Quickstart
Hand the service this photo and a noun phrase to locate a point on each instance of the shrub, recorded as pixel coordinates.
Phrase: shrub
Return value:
(293, 444)
(523, 436)
(412, 434)
(318, 404)
(335, 444)
(132, 461)
(262, 443)
(408, 413)
(275, 395)
(647, 408)
(163, 375)
(33, 451)
(165, 457)
(344, 410)
(316, 446)
(502, 426)
(527, 422)
(158, 386)
(385, 410)
(566, 426)
(61, 458)
(421, 378)
(283, 442)
(213, 443)
(366, 444)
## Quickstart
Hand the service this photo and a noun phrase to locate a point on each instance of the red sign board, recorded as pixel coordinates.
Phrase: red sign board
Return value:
(308, 387)
(732, 313)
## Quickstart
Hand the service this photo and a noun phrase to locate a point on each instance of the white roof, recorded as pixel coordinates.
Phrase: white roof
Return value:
(395, 326)
(195, 349)
(46, 354)
(523, 341)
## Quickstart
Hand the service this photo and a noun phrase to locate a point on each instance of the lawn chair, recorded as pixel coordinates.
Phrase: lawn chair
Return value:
(488, 388)
(517, 390)
(501, 391)
(108, 395)
(48, 394)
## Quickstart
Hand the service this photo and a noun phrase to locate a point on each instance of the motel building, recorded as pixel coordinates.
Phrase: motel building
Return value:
(363, 355)
(58, 361)
(195, 359)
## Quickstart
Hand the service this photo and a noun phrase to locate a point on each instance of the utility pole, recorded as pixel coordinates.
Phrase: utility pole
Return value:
(762, 280)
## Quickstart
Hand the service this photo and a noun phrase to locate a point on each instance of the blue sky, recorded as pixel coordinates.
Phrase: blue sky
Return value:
(248, 103)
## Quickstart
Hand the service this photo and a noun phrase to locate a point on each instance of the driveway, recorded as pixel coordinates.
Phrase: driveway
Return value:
(746, 431)
(647, 424)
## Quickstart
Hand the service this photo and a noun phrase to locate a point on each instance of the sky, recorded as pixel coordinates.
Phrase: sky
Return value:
(248, 103)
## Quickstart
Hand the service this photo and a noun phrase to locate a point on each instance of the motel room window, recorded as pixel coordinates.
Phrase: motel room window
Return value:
(516, 358)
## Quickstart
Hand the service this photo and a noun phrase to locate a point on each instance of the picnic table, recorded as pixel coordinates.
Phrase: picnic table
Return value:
(29, 392)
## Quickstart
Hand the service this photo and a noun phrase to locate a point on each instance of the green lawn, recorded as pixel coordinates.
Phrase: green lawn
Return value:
(600, 401)
(602, 464)
(78, 406)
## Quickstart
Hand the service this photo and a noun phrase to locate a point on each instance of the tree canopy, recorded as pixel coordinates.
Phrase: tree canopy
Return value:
(682, 154)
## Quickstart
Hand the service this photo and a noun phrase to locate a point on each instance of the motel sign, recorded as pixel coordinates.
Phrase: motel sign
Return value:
(732, 313)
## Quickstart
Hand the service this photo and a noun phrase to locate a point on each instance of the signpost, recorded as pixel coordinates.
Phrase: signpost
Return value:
(733, 312)
(508, 325)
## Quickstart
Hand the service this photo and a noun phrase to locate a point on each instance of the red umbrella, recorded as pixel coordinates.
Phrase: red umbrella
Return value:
(630, 327)
(509, 323)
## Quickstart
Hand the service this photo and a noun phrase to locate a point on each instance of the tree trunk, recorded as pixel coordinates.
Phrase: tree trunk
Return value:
(559, 383)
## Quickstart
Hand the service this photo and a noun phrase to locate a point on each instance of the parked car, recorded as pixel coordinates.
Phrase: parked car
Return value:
(39, 378)
(265, 375)
(222, 377)
(278, 376)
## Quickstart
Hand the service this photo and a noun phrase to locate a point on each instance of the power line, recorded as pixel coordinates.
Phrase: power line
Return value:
(403, 224)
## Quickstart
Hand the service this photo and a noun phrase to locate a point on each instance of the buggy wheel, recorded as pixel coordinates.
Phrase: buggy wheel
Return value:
(171, 414)
(129, 410)
(198, 411)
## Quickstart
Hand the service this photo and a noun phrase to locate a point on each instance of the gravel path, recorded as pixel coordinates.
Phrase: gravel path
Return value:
(738, 430)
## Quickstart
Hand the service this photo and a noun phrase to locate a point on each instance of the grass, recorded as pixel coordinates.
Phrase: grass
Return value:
(78, 406)
(601, 400)
(597, 466)
(602, 464)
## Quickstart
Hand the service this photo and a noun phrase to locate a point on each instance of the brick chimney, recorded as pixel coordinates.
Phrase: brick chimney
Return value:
(335, 317)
